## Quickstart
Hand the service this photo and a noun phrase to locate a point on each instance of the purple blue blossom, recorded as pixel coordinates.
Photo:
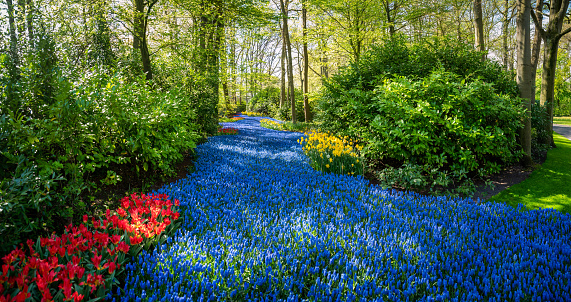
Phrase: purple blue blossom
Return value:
(261, 225)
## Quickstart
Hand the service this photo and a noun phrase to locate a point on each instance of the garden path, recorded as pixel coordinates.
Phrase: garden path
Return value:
(563, 130)
(261, 225)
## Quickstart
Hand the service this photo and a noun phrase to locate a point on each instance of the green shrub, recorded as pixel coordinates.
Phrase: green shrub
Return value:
(432, 115)
(539, 120)
(288, 126)
(267, 102)
(27, 205)
(84, 134)
(444, 126)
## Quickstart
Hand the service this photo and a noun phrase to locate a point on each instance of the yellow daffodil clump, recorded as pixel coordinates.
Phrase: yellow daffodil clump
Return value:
(330, 153)
(271, 124)
(250, 113)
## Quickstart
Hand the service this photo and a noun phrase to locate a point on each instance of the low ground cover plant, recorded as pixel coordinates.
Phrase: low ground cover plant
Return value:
(252, 113)
(229, 119)
(287, 125)
(83, 263)
(260, 224)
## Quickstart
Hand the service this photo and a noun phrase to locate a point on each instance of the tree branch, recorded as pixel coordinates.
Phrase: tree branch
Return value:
(314, 71)
(538, 26)
(563, 33)
(563, 10)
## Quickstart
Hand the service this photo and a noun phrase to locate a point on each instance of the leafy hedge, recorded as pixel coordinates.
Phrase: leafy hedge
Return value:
(431, 115)
(75, 141)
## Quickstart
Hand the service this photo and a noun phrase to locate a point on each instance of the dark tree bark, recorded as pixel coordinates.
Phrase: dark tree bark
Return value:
(536, 47)
(30, 22)
(479, 27)
(21, 25)
(140, 24)
(505, 27)
(283, 98)
(211, 32)
(524, 74)
(306, 108)
(13, 35)
(551, 36)
(287, 42)
(390, 20)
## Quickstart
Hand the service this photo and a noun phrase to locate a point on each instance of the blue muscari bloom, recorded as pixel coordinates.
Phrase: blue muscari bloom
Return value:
(260, 223)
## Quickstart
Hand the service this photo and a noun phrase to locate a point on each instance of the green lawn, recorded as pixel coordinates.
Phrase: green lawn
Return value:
(547, 187)
(563, 120)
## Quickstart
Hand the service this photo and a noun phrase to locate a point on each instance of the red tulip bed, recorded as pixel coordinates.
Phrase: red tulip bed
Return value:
(227, 131)
(83, 263)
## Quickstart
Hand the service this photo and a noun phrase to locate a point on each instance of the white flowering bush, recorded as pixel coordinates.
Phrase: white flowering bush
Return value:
(261, 225)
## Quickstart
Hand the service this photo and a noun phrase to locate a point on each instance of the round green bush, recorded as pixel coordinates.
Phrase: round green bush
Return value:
(431, 115)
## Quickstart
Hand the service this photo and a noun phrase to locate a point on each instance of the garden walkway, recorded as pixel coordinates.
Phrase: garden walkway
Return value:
(261, 225)
(563, 130)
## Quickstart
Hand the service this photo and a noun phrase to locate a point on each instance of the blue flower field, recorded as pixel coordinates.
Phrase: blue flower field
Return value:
(262, 225)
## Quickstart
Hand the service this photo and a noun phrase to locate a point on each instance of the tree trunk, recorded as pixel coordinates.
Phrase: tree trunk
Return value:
(551, 37)
(283, 99)
(324, 69)
(138, 22)
(535, 50)
(390, 21)
(233, 68)
(20, 18)
(550, 46)
(306, 108)
(524, 74)
(13, 36)
(30, 21)
(505, 28)
(479, 28)
(289, 58)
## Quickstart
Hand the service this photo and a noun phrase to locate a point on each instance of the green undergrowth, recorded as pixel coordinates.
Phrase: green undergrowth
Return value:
(288, 126)
(548, 186)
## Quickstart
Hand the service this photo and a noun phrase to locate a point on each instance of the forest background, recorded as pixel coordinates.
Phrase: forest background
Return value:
(94, 92)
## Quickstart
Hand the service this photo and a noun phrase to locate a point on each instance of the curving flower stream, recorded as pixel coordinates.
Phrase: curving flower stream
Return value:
(261, 225)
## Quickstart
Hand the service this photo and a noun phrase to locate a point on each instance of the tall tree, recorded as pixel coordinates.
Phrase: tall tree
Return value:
(142, 10)
(551, 36)
(506, 19)
(524, 73)
(286, 39)
(13, 36)
(356, 23)
(536, 47)
(306, 108)
(391, 10)
(283, 98)
(479, 27)
(101, 51)
(30, 21)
